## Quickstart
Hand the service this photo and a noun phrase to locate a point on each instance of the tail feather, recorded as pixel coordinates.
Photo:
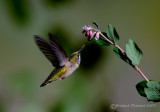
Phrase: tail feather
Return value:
(46, 82)
(49, 79)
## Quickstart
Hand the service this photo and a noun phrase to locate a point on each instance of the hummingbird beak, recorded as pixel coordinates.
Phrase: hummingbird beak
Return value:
(81, 48)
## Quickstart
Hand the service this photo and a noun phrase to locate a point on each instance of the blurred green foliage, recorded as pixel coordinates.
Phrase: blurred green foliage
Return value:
(92, 54)
(1, 105)
(18, 10)
(23, 82)
(57, 3)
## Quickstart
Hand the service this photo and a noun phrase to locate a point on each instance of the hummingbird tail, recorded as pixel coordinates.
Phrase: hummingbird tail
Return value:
(49, 79)
(43, 84)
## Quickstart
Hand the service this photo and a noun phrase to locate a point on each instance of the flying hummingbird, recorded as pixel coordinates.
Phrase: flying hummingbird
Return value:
(64, 66)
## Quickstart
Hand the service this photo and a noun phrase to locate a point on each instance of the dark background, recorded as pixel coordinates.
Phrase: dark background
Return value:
(102, 78)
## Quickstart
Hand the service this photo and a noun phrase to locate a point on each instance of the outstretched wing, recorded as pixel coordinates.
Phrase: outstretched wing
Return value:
(52, 50)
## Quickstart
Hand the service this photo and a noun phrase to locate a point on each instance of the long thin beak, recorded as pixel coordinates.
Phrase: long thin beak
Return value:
(82, 47)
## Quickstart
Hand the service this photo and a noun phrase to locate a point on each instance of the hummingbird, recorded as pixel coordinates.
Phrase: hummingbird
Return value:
(64, 66)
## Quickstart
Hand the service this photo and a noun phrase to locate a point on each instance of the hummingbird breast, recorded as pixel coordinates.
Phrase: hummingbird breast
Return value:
(70, 68)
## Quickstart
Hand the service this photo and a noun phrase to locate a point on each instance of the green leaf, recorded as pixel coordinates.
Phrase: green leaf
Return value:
(122, 55)
(102, 40)
(140, 87)
(150, 90)
(112, 34)
(133, 52)
(153, 91)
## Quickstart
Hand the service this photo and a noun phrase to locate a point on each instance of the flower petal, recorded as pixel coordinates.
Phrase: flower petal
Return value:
(97, 36)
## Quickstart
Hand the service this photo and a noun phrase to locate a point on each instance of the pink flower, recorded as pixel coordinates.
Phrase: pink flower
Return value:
(97, 36)
(90, 34)
(87, 29)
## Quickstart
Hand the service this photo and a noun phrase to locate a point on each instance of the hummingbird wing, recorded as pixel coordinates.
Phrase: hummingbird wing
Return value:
(52, 50)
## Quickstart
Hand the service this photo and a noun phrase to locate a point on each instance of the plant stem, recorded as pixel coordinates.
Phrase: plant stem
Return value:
(120, 49)
(139, 70)
(136, 67)
(106, 38)
(112, 42)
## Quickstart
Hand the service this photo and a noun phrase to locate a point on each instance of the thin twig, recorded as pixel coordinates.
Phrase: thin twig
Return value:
(137, 68)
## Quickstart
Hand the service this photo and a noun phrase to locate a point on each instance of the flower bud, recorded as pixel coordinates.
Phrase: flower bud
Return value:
(90, 33)
(97, 36)
(83, 31)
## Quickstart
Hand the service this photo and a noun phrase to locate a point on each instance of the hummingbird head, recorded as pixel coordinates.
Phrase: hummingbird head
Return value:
(75, 57)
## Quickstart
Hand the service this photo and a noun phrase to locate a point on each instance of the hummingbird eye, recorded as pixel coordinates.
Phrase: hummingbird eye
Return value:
(78, 56)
